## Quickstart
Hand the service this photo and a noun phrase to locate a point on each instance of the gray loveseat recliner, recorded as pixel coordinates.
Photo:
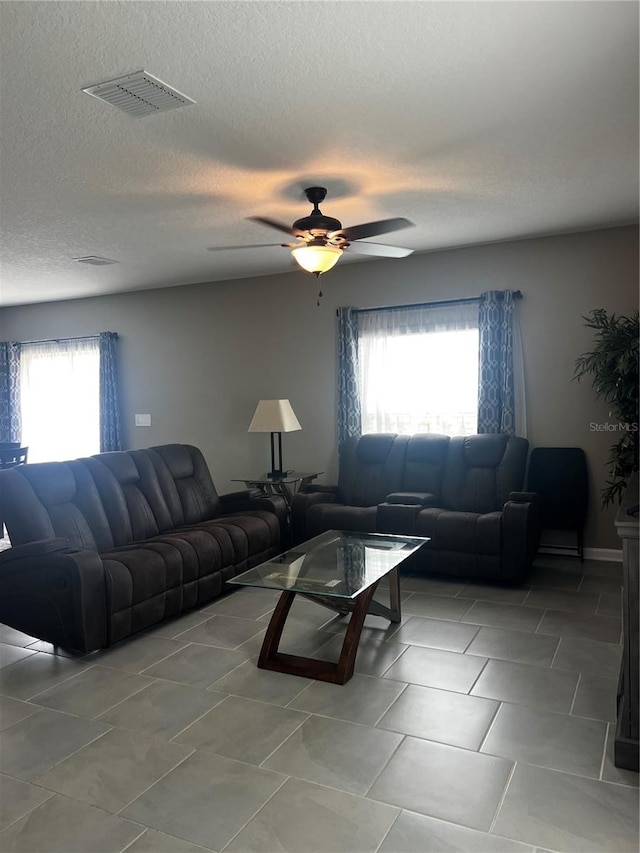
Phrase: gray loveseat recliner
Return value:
(463, 493)
(106, 546)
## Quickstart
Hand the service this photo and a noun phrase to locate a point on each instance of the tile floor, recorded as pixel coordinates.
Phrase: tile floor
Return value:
(484, 722)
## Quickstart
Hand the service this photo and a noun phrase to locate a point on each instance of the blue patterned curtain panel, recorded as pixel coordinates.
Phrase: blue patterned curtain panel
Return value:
(496, 403)
(349, 414)
(10, 423)
(109, 397)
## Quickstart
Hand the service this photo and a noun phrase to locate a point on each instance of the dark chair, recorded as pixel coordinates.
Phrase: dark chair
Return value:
(559, 475)
(11, 454)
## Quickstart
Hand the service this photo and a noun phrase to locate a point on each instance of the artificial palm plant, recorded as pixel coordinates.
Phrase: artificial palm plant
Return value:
(613, 368)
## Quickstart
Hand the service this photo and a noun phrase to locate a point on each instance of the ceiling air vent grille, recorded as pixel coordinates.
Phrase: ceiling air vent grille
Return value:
(95, 261)
(139, 94)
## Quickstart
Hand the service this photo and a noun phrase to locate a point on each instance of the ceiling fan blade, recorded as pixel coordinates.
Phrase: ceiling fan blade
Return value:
(372, 229)
(245, 246)
(279, 226)
(379, 249)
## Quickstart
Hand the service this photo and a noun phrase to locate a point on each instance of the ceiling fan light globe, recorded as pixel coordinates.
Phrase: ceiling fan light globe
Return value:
(317, 259)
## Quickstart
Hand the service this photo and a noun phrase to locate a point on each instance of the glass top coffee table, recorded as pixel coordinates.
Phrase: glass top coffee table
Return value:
(339, 570)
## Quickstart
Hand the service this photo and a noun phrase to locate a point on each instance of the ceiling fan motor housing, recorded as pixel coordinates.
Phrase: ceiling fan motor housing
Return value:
(317, 223)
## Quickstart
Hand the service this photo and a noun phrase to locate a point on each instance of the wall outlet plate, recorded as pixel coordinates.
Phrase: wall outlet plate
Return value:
(143, 420)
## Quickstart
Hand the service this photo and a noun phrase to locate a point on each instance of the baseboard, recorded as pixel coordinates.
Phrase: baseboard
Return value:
(607, 555)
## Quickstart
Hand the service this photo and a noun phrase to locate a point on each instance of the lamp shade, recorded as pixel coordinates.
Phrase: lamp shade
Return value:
(274, 416)
(317, 259)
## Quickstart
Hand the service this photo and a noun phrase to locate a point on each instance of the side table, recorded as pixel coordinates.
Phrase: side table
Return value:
(286, 486)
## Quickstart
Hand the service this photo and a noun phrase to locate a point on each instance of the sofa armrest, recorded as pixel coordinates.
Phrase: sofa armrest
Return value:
(524, 497)
(301, 504)
(304, 500)
(397, 518)
(315, 488)
(241, 495)
(40, 548)
(58, 595)
(520, 534)
(253, 499)
(412, 498)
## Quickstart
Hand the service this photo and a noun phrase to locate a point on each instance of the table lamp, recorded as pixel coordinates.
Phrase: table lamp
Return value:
(276, 417)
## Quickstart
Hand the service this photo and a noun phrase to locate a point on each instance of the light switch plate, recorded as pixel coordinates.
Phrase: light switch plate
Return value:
(143, 420)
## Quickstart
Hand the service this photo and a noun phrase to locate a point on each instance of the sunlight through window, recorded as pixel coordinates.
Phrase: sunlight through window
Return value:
(59, 399)
(414, 380)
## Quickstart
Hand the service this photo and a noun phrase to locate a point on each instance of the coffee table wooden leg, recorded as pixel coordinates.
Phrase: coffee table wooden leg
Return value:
(340, 673)
(276, 626)
(394, 595)
(347, 661)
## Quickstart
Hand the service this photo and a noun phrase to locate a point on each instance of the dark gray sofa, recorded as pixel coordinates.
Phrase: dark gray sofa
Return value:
(463, 493)
(106, 546)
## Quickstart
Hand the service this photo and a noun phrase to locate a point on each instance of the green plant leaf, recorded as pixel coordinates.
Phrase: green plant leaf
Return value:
(612, 366)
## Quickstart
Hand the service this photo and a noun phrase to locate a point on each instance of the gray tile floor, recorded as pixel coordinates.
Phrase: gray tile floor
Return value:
(483, 723)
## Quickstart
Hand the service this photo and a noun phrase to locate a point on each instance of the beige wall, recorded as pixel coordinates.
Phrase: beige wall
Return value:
(198, 357)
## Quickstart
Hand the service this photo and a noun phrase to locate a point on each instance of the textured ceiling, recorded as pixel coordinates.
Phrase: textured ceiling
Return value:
(478, 121)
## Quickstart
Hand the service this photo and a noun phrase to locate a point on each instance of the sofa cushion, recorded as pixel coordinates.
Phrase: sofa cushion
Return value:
(399, 518)
(424, 463)
(251, 533)
(371, 468)
(150, 581)
(374, 449)
(481, 471)
(55, 499)
(185, 482)
(131, 517)
(465, 532)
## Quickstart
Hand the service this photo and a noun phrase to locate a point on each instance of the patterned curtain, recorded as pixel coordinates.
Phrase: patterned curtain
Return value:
(496, 405)
(349, 415)
(109, 404)
(10, 423)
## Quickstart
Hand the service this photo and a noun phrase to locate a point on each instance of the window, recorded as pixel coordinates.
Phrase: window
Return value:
(59, 399)
(419, 369)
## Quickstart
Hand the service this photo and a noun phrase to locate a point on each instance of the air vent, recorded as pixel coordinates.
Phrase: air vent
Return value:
(94, 261)
(139, 94)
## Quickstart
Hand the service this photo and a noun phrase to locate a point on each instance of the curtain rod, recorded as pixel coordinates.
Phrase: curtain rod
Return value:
(469, 300)
(59, 340)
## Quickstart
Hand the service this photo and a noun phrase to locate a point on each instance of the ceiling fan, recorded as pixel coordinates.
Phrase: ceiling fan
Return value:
(320, 240)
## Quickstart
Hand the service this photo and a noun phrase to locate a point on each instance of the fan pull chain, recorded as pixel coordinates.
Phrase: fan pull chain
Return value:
(317, 275)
